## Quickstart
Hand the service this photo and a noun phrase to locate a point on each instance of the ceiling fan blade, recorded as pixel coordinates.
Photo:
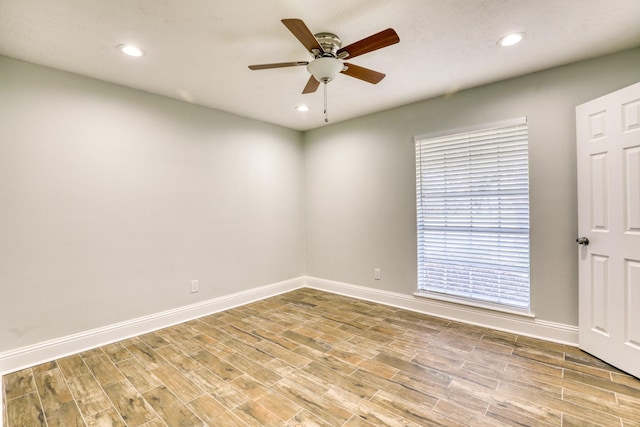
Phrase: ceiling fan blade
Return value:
(277, 65)
(363, 73)
(302, 33)
(312, 85)
(377, 41)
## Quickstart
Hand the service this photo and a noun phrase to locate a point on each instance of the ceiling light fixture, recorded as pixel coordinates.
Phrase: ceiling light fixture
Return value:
(131, 50)
(324, 69)
(511, 39)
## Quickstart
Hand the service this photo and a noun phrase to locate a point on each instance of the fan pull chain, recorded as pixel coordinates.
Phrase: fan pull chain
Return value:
(326, 118)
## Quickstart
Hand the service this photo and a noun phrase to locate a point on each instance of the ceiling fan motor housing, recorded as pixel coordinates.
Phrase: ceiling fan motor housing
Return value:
(330, 44)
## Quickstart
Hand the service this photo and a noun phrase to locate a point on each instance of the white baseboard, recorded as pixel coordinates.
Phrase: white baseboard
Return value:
(14, 360)
(32, 355)
(514, 323)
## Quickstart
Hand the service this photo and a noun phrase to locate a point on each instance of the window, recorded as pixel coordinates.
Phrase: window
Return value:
(473, 215)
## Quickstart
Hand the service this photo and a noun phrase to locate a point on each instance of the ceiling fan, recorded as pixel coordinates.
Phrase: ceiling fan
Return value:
(328, 55)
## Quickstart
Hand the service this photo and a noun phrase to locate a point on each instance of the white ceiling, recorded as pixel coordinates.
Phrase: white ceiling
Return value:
(199, 50)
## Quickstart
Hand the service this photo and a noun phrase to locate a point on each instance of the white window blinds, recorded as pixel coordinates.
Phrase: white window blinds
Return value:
(473, 214)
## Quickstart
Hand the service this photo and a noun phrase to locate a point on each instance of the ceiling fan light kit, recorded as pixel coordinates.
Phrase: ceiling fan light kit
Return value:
(325, 69)
(328, 53)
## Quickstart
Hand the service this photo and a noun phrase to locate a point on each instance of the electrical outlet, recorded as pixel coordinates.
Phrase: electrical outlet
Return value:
(376, 273)
(194, 286)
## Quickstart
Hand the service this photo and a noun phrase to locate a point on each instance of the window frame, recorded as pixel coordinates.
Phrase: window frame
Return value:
(422, 288)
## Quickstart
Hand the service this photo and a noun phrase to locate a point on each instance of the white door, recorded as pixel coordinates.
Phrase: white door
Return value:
(608, 146)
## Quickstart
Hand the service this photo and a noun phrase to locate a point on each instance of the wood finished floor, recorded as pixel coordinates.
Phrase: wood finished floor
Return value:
(309, 358)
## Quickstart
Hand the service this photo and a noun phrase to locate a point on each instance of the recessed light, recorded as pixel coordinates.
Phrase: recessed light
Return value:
(302, 108)
(511, 39)
(131, 50)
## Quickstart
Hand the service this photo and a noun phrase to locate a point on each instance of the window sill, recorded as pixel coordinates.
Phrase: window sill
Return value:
(475, 304)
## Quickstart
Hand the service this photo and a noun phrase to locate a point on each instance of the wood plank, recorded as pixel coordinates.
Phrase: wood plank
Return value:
(513, 417)
(312, 383)
(306, 341)
(434, 375)
(345, 356)
(275, 338)
(378, 368)
(337, 365)
(204, 327)
(307, 419)
(108, 418)
(18, 384)
(234, 331)
(224, 370)
(255, 370)
(278, 405)
(211, 345)
(139, 376)
(251, 351)
(627, 379)
(222, 391)
(146, 355)
(357, 421)
(572, 421)
(394, 387)
(282, 353)
(73, 366)
(602, 395)
(233, 317)
(91, 353)
(314, 403)
(130, 404)
(602, 383)
(173, 412)
(213, 413)
(464, 415)
(347, 383)
(419, 414)
(53, 390)
(439, 362)
(104, 370)
(44, 367)
(177, 383)
(593, 402)
(88, 394)
(256, 415)
(156, 422)
(178, 359)
(66, 415)
(153, 340)
(117, 352)
(25, 410)
(514, 393)
(247, 385)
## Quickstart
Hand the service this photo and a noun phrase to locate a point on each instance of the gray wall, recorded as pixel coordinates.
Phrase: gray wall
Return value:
(112, 200)
(360, 180)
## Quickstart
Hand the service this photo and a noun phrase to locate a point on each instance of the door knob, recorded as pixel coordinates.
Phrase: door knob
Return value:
(582, 241)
